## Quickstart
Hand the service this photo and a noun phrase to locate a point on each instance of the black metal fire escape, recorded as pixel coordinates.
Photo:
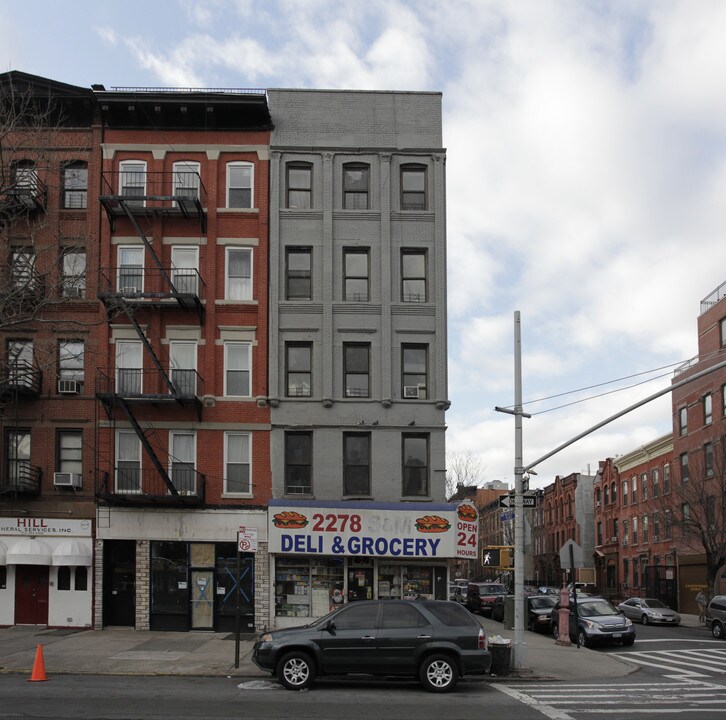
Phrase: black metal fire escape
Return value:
(134, 291)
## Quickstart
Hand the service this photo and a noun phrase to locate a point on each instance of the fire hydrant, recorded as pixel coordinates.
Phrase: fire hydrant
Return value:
(564, 618)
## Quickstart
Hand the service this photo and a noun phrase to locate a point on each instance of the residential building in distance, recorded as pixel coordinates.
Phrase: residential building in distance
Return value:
(358, 365)
(48, 349)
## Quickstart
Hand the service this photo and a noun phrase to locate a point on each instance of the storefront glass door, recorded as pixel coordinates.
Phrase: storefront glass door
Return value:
(202, 599)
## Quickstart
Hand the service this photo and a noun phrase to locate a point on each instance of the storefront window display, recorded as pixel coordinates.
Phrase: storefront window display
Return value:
(307, 587)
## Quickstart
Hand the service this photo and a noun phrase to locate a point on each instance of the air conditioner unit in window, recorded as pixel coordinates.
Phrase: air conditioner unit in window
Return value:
(410, 391)
(615, 539)
(597, 504)
(625, 543)
(73, 480)
(69, 387)
(129, 290)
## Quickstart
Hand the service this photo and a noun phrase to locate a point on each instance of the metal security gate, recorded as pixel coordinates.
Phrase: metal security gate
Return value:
(661, 581)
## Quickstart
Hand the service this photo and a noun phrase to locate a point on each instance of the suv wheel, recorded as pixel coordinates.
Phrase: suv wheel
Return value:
(438, 673)
(556, 631)
(582, 639)
(296, 671)
(717, 630)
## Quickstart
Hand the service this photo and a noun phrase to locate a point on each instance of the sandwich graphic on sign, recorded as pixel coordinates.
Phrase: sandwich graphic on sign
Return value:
(432, 524)
(289, 520)
(466, 513)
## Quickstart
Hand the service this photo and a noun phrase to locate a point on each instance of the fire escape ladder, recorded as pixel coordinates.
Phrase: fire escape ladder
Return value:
(142, 336)
(148, 447)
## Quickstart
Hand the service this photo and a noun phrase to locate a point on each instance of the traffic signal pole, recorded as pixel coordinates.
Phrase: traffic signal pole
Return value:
(519, 654)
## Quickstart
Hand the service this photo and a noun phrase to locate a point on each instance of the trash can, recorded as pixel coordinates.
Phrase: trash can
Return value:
(501, 651)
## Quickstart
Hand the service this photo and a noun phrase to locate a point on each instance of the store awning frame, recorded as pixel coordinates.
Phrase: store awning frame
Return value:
(29, 551)
(71, 552)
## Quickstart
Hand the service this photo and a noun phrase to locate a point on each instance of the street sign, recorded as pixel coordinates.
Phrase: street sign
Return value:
(507, 501)
(507, 516)
(247, 539)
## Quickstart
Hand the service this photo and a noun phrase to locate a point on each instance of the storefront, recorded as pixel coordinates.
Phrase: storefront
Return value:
(45, 572)
(327, 553)
(175, 570)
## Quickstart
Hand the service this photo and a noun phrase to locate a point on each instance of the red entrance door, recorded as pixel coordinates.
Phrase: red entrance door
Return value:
(31, 594)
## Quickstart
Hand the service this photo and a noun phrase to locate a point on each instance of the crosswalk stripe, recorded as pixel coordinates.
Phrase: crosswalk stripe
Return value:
(695, 661)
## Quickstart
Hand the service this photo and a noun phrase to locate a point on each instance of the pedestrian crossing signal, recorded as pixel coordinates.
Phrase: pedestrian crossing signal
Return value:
(491, 557)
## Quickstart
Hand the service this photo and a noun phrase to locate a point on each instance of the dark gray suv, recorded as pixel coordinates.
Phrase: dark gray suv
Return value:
(436, 641)
(716, 616)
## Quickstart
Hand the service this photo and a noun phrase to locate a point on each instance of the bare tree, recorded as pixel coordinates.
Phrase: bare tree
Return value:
(693, 510)
(462, 468)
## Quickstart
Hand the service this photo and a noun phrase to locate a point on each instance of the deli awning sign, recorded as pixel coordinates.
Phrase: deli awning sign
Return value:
(247, 539)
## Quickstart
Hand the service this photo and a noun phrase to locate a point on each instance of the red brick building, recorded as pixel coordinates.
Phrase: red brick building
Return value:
(49, 322)
(183, 429)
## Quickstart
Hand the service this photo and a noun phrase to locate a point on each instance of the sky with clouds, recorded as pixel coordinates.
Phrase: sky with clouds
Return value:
(586, 174)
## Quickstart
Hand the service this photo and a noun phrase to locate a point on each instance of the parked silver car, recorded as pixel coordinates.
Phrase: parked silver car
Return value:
(649, 610)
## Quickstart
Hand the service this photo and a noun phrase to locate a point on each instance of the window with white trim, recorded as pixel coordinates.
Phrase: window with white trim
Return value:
(128, 462)
(237, 369)
(130, 272)
(182, 461)
(186, 179)
(132, 181)
(240, 176)
(238, 274)
(237, 463)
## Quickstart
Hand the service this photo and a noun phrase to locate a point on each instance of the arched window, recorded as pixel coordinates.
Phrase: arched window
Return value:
(614, 492)
(605, 494)
(64, 578)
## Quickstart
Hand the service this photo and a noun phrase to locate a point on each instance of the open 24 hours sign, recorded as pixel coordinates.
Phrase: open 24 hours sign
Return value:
(386, 530)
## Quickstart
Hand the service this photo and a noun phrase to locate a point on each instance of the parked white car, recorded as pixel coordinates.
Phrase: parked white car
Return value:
(649, 610)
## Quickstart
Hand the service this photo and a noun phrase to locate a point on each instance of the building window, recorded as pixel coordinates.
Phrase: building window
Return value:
(298, 463)
(415, 465)
(633, 490)
(355, 275)
(625, 493)
(707, 409)
(299, 186)
(70, 452)
(606, 495)
(613, 493)
(644, 486)
(626, 532)
(75, 186)
(644, 526)
(683, 421)
(298, 277)
(413, 187)
(71, 355)
(655, 482)
(73, 280)
(723, 401)
(3, 577)
(356, 464)
(656, 527)
(128, 462)
(64, 578)
(129, 367)
(238, 278)
(237, 477)
(299, 369)
(413, 276)
(183, 367)
(686, 512)
(22, 268)
(186, 180)
(684, 468)
(355, 186)
(668, 523)
(708, 459)
(132, 181)
(414, 369)
(81, 579)
(25, 175)
(19, 470)
(20, 362)
(183, 461)
(723, 332)
(666, 479)
(237, 369)
(130, 280)
(356, 360)
(185, 269)
(239, 185)
(635, 530)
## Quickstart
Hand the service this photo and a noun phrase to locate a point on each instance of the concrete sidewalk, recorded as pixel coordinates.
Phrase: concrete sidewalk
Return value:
(123, 651)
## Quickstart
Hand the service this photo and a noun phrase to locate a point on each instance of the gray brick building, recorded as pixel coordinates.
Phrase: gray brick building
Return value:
(358, 365)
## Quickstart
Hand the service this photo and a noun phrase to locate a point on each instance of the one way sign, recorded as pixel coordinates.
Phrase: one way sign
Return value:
(528, 501)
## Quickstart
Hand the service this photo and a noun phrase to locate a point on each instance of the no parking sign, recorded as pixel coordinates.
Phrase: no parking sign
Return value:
(247, 539)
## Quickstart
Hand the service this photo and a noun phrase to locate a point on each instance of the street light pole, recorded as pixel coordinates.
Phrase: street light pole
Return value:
(519, 659)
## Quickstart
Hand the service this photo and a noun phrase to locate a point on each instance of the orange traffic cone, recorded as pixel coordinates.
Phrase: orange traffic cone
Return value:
(38, 667)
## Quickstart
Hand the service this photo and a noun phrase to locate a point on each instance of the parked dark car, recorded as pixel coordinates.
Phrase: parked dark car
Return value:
(716, 616)
(436, 641)
(598, 622)
(649, 610)
(480, 596)
(538, 609)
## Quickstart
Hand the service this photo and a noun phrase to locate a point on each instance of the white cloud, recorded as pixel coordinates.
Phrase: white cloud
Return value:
(107, 34)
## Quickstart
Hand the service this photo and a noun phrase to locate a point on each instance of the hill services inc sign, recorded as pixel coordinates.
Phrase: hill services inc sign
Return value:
(386, 530)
